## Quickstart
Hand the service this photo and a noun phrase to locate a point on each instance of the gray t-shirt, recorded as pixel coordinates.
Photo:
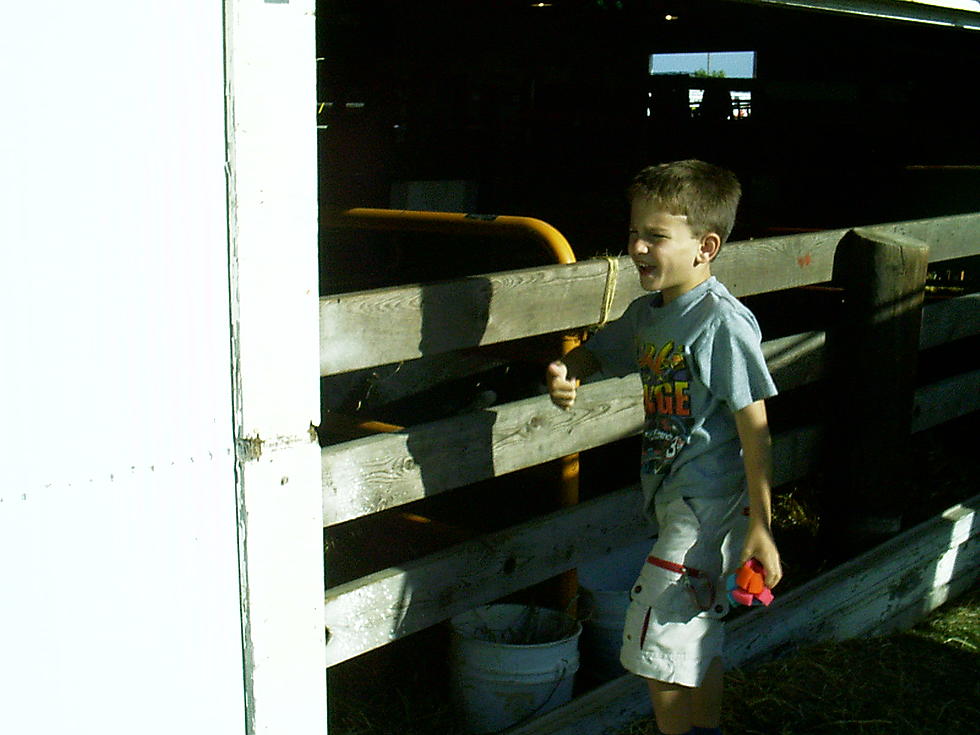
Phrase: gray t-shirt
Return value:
(700, 360)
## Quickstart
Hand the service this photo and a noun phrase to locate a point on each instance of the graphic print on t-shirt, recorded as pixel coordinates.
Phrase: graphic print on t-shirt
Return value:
(667, 404)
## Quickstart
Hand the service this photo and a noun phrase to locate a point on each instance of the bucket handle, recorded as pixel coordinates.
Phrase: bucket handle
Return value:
(531, 715)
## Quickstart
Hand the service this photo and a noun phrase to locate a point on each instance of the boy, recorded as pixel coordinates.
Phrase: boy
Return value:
(705, 441)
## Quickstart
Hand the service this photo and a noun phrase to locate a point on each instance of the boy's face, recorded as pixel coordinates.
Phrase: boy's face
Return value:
(667, 255)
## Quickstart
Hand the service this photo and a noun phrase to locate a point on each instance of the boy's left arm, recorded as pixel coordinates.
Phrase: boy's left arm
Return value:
(753, 432)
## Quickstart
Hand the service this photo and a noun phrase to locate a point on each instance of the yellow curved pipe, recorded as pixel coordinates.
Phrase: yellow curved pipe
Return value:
(403, 220)
(501, 225)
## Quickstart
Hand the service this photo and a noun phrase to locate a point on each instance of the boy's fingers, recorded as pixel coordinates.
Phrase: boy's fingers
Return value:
(771, 564)
(563, 398)
(560, 388)
(778, 574)
(773, 571)
(558, 370)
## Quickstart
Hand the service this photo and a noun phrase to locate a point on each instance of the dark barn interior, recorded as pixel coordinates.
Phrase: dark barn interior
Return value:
(545, 109)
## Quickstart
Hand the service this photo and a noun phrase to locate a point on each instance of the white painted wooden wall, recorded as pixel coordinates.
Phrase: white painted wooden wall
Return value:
(154, 577)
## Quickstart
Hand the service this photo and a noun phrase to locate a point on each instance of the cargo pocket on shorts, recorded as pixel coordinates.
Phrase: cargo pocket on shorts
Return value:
(667, 592)
(636, 626)
(680, 580)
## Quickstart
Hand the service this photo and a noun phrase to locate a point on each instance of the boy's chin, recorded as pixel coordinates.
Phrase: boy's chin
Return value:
(649, 284)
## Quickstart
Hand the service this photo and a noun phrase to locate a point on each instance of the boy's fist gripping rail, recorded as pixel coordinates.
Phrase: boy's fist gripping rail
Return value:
(561, 387)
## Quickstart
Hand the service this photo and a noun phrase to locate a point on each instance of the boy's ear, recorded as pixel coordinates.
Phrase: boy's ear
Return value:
(710, 245)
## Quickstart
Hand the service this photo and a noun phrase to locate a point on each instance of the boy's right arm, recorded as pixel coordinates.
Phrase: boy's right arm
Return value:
(563, 375)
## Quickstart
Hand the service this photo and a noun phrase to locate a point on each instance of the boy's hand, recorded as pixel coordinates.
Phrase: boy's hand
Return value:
(560, 387)
(760, 544)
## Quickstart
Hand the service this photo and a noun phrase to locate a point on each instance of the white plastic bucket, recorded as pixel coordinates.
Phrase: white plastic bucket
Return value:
(602, 634)
(606, 583)
(510, 663)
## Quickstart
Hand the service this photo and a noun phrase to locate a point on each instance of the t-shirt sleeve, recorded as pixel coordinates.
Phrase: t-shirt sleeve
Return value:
(614, 346)
(730, 360)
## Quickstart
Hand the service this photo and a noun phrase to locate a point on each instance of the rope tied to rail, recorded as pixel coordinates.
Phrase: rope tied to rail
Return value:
(609, 294)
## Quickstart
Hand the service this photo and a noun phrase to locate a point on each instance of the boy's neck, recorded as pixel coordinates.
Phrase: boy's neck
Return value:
(688, 287)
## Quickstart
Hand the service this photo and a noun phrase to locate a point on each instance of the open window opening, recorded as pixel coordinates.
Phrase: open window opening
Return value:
(717, 84)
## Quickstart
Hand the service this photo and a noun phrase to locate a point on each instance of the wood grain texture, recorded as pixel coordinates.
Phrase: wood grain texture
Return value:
(377, 472)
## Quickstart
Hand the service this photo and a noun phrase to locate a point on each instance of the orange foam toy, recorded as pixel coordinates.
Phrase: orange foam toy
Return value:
(749, 585)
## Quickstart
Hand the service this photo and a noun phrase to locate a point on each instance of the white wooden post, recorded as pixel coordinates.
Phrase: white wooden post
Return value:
(272, 157)
(159, 486)
(119, 567)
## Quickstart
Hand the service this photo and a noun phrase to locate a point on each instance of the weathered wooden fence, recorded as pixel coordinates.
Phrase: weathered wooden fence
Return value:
(378, 472)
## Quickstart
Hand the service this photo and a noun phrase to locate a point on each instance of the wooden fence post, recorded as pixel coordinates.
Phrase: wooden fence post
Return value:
(874, 352)
(270, 83)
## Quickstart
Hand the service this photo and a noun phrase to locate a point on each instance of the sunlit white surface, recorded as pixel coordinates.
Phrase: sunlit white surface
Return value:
(119, 602)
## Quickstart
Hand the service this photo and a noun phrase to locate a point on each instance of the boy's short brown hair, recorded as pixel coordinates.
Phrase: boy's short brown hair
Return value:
(706, 194)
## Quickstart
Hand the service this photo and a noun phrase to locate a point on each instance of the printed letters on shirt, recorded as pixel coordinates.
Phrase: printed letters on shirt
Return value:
(667, 404)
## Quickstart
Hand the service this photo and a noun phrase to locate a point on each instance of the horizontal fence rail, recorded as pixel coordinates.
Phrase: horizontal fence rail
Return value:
(385, 606)
(948, 321)
(370, 328)
(391, 469)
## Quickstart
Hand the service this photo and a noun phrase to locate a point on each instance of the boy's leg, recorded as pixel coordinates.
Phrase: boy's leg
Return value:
(679, 708)
(673, 630)
(671, 706)
(706, 699)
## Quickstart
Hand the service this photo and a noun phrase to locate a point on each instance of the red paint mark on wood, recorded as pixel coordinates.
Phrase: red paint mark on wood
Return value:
(804, 260)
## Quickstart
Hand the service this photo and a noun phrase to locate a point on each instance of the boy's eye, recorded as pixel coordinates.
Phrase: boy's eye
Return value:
(647, 236)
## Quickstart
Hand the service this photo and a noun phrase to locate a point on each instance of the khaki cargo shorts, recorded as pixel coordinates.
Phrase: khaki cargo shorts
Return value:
(673, 629)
